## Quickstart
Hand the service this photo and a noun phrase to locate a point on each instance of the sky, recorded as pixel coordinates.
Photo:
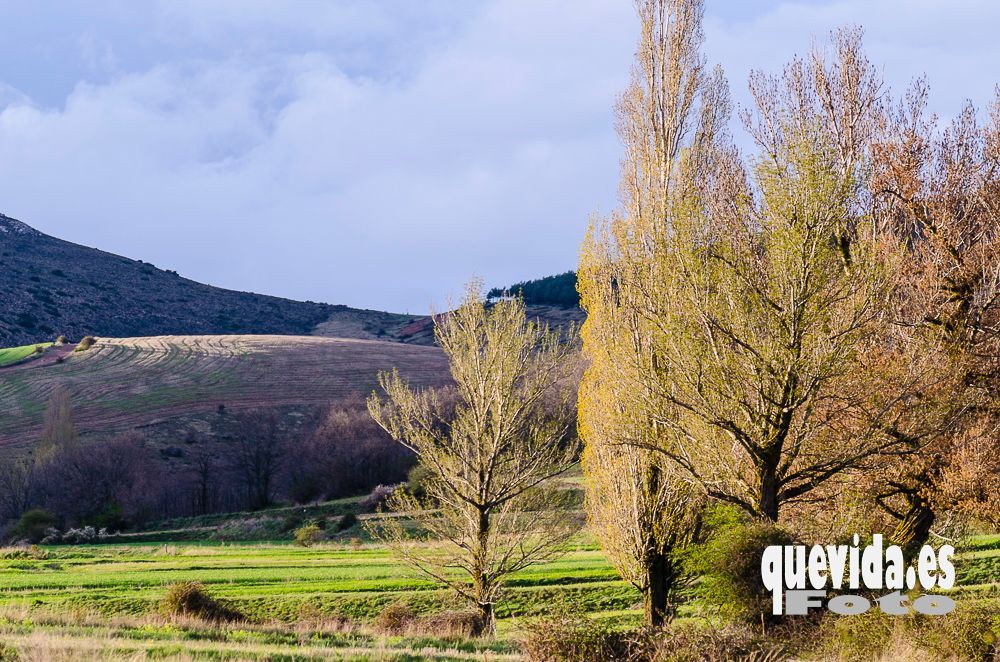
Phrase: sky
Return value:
(378, 153)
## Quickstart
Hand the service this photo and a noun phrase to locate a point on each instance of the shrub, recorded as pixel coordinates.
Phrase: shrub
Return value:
(61, 340)
(463, 624)
(33, 525)
(852, 637)
(347, 521)
(84, 536)
(399, 619)
(53, 536)
(110, 518)
(416, 480)
(85, 343)
(971, 632)
(730, 566)
(691, 642)
(191, 599)
(39, 349)
(308, 535)
(395, 619)
(574, 637)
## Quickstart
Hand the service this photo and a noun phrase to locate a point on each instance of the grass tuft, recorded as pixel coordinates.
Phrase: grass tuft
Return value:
(191, 599)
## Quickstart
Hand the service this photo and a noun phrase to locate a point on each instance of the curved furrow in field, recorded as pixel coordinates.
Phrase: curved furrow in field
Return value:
(121, 383)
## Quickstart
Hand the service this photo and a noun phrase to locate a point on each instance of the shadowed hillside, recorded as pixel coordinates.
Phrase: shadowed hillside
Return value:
(52, 287)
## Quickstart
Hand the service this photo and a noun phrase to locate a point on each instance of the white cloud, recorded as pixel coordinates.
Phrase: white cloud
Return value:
(284, 174)
(378, 153)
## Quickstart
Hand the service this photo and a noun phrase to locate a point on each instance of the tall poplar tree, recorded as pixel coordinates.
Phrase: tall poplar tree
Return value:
(750, 306)
(640, 505)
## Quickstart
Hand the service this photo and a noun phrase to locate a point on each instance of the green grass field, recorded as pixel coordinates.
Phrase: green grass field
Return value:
(12, 355)
(103, 600)
(114, 593)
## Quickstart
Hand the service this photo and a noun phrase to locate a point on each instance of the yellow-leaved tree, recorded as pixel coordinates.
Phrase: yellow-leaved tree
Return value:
(742, 314)
(642, 507)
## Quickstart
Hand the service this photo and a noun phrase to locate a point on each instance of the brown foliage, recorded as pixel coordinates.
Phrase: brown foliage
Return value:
(938, 190)
(347, 454)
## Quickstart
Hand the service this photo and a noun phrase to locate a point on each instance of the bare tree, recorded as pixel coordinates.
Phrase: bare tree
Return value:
(488, 452)
(204, 476)
(346, 454)
(257, 454)
(112, 483)
(17, 485)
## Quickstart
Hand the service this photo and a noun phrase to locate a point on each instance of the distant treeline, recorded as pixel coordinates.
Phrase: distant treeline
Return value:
(249, 460)
(558, 290)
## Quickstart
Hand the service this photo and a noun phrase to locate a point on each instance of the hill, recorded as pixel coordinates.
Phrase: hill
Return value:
(52, 287)
(171, 381)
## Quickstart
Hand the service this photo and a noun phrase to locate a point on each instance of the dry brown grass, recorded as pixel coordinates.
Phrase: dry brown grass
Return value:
(41, 636)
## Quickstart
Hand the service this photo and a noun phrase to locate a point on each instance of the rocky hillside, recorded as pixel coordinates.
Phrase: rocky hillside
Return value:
(51, 287)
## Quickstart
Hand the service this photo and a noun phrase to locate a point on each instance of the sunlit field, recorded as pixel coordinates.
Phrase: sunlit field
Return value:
(319, 602)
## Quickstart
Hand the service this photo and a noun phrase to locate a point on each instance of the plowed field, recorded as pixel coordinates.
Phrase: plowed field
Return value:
(124, 382)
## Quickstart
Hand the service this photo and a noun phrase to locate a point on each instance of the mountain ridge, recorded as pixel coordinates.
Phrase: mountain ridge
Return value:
(55, 287)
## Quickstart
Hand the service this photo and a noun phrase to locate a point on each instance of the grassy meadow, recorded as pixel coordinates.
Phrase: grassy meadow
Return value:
(297, 603)
(12, 355)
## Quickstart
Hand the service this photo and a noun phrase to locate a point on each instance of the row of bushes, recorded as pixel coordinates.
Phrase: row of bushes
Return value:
(249, 462)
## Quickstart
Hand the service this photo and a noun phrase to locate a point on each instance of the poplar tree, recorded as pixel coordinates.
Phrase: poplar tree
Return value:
(640, 506)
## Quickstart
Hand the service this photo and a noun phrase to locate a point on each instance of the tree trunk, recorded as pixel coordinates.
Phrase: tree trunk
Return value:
(767, 504)
(915, 528)
(658, 580)
(487, 619)
(482, 584)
